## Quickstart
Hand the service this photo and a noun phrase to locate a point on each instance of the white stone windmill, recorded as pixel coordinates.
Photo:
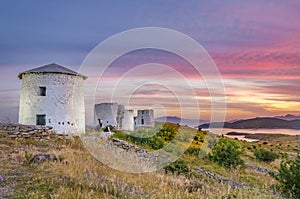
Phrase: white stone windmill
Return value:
(53, 95)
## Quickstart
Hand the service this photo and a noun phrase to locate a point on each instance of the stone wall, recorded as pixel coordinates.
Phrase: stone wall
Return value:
(146, 155)
(18, 131)
(124, 156)
(127, 146)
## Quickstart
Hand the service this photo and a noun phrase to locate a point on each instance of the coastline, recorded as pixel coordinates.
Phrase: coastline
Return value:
(253, 135)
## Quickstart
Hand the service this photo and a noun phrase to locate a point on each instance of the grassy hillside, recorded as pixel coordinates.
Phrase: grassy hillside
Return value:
(77, 174)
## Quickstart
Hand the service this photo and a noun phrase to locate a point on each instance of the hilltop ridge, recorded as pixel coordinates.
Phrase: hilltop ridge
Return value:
(256, 123)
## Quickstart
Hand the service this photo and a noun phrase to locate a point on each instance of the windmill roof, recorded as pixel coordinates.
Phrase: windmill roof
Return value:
(51, 68)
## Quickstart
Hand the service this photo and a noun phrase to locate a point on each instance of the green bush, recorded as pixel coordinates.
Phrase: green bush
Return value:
(193, 150)
(289, 177)
(196, 145)
(178, 167)
(227, 153)
(153, 142)
(150, 138)
(265, 155)
(168, 131)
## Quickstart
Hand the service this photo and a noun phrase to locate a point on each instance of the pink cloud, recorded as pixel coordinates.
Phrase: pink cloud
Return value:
(281, 62)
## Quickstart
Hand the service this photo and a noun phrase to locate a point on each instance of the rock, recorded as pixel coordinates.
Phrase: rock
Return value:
(45, 133)
(13, 136)
(263, 170)
(43, 157)
(10, 129)
(16, 133)
(38, 134)
(26, 135)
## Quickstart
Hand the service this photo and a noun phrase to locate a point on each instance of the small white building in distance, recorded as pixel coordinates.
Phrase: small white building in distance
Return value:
(115, 115)
(106, 114)
(128, 120)
(53, 95)
(144, 118)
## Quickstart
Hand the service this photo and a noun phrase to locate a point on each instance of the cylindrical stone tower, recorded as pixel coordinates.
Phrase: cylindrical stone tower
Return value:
(128, 120)
(53, 95)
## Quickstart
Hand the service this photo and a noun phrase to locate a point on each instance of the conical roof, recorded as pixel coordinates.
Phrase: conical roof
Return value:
(51, 68)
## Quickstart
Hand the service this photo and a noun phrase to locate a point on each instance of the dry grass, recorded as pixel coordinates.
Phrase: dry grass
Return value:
(80, 175)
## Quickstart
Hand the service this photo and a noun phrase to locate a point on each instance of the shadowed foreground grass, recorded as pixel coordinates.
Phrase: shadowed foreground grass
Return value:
(78, 174)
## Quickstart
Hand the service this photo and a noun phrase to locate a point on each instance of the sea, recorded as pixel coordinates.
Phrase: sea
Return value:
(253, 131)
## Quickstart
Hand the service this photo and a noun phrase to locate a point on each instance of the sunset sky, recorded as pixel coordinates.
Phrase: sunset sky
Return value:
(255, 45)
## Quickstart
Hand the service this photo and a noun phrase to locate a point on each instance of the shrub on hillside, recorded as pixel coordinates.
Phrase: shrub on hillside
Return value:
(178, 167)
(168, 131)
(155, 142)
(289, 177)
(227, 153)
(193, 150)
(195, 147)
(265, 155)
(150, 138)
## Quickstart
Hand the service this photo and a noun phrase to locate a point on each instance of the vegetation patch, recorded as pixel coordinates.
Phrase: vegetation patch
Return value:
(227, 153)
(178, 167)
(265, 155)
(289, 177)
(152, 139)
(77, 174)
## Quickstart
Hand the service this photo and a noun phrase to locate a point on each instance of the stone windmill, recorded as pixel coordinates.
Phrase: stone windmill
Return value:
(53, 95)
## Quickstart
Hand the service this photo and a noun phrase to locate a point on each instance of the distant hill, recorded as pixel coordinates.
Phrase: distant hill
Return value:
(288, 117)
(181, 121)
(256, 123)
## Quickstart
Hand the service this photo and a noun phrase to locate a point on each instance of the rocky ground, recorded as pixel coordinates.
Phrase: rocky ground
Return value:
(37, 167)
